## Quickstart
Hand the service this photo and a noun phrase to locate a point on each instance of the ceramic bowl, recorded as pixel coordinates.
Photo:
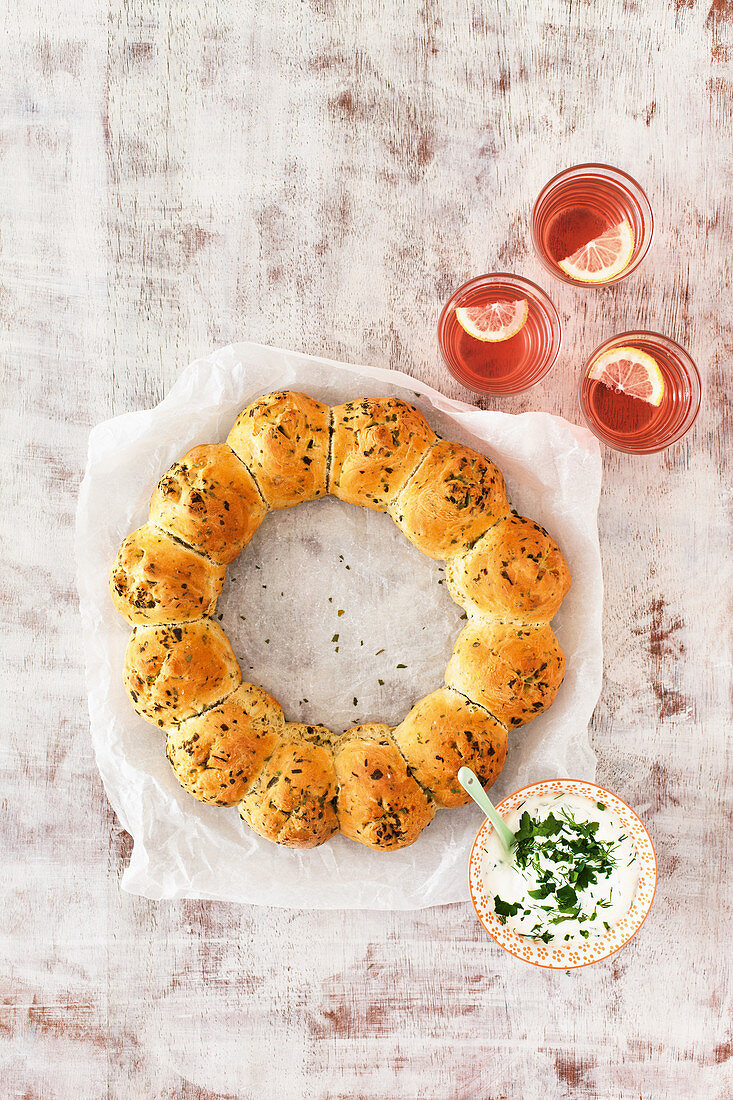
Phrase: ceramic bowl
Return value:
(568, 956)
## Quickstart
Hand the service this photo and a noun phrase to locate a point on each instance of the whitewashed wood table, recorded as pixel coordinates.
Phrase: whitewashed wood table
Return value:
(320, 175)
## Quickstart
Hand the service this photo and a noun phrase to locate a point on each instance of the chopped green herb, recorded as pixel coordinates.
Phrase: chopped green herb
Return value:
(504, 908)
(567, 897)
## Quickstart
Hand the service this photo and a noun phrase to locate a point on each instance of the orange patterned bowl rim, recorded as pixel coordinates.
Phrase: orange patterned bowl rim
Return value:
(568, 956)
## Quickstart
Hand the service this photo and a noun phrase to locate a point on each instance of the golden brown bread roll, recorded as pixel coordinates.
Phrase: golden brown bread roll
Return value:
(443, 732)
(217, 755)
(209, 500)
(379, 802)
(292, 799)
(514, 571)
(375, 446)
(283, 438)
(511, 669)
(156, 579)
(453, 497)
(174, 672)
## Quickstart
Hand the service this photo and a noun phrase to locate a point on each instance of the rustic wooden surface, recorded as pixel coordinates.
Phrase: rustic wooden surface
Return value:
(320, 175)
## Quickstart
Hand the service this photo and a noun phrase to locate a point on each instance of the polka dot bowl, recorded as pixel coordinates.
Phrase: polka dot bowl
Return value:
(571, 955)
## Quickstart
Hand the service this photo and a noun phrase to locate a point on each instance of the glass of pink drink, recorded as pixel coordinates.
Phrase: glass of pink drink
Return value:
(640, 392)
(499, 334)
(592, 225)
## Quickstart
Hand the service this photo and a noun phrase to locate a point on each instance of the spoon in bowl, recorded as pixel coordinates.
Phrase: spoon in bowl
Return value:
(470, 783)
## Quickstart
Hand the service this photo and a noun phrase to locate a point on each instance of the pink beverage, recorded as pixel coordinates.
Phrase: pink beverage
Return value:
(499, 334)
(592, 225)
(640, 392)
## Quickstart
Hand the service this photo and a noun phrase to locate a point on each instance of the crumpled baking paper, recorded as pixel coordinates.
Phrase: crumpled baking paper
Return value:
(336, 614)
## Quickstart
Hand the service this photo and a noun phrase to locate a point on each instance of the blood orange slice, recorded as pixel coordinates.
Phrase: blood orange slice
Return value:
(603, 258)
(494, 321)
(630, 371)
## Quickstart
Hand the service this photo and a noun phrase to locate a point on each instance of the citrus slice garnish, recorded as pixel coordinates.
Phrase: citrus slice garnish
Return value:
(630, 371)
(494, 321)
(603, 258)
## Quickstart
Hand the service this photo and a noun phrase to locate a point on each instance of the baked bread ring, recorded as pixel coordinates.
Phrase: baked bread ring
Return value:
(173, 672)
(514, 571)
(293, 799)
(156, 579)
(209, 500)
(443, 732)
(375, 446)
(512, 669)
(218, 754)
(379, 802)
(452, 498)
(283, 439)
(228, 742)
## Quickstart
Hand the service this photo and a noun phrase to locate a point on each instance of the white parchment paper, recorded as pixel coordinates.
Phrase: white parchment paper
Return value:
(280, 607)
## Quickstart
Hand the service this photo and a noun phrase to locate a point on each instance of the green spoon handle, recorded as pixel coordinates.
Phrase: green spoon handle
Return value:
(469, 782)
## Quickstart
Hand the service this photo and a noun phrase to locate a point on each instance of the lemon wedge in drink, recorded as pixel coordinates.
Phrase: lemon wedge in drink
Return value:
(631, 371)
(494, 321)
(603, 258)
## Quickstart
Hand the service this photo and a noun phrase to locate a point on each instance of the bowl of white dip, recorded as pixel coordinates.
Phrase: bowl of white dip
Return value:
(579, 881)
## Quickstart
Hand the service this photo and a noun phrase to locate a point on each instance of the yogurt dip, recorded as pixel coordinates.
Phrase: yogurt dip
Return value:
(570, 877)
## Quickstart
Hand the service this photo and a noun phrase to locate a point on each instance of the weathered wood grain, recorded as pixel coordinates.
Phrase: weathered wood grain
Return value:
(320, 175)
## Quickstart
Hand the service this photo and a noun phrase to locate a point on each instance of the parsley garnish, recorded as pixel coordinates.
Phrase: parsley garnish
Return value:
(562, 858)
(505, 908)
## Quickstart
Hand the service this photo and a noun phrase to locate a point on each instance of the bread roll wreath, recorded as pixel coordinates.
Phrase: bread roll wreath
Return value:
(228, 741)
